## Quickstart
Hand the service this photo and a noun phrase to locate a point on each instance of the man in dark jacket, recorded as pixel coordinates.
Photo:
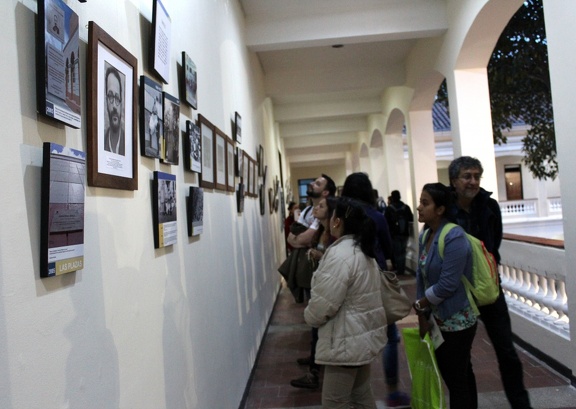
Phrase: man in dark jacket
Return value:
(480, 216)
(399, 217)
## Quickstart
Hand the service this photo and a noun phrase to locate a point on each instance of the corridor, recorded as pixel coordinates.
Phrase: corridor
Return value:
(288, 338)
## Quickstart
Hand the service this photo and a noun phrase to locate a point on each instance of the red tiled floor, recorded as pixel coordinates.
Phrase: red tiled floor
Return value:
(288, 338)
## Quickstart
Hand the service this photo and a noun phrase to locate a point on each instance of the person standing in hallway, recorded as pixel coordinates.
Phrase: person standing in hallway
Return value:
(359, 187)
(346, 307)
(477, 213)
(399, 216)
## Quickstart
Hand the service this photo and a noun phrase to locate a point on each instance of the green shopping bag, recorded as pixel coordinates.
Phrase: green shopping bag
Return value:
(427, 391)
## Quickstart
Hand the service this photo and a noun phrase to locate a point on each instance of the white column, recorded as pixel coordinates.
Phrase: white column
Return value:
(472, 122)
(560, 16)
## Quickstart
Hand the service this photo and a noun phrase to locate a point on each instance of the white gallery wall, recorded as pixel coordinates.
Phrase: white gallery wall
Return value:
(138, 327)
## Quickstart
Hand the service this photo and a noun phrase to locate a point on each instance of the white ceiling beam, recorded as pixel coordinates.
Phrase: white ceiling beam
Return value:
(333, 126)
(294, 112)
(323, 140)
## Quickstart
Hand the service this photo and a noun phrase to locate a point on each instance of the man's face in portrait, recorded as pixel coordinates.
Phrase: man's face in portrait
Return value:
(114, 102)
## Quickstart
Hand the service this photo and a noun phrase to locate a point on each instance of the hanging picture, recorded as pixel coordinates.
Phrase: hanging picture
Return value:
(190, 81)
(195, 208)
(239, 156)
(58, 68)
(220, 159)
(262, 199)
(194, 146)
(62, 210)
(151, 117)
(111, 112)
(164, 209)
(230, 165)
(240, 197)
(207, 138)
(237, 127)
(171, 145)
(161, 39)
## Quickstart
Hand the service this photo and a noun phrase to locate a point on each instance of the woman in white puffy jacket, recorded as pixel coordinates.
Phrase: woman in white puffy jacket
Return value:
(346, 306)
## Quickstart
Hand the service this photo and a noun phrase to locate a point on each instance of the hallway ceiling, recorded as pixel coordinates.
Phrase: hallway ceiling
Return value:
(322, 95)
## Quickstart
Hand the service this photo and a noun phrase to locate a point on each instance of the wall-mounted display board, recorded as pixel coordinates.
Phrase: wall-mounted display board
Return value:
(230, 165)
(207, 137)
(237, 127)
(58, 63)
(111, 115)
(190, 81)
(171, 145)
(62, 210)
(164, 209)
(195, 209)
(151, 118)
(193, 145)
(160, 42)
(220, 171)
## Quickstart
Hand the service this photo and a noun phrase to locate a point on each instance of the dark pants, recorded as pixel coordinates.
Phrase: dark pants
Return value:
(498, 326)
(453, 358)
(314, 367)
(399, 244)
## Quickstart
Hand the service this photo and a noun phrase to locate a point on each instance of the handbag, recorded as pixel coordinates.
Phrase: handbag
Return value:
(396, 303)
(427, 391)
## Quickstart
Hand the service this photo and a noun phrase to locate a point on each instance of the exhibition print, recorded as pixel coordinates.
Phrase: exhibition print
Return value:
(194, 146)
(171, 144)
(151, 117)
(62, 210)
(164, 199)
(58, 74)
(195, 211)
(190, 81)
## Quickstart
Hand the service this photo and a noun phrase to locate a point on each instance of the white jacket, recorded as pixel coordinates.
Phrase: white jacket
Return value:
(346, 306)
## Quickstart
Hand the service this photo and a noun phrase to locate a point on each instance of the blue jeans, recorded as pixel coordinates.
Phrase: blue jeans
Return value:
(499, 328)
(390, 355)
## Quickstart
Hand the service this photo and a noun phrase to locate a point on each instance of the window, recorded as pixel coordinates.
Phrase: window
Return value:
(513, 180)
(302, 188)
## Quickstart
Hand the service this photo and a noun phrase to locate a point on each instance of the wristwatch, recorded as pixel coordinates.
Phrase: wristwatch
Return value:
(418, 306)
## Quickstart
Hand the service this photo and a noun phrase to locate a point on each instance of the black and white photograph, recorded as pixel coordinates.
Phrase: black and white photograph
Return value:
(164, 201)
(240, 197)
(171, 144)
(112, 98)
(220, 159)
(58, 77)
(237, 127)
(195, 211)
(151, 117)
(230, 165)
(190, 80)
(207, 137)
(161, 39)
(194, 154)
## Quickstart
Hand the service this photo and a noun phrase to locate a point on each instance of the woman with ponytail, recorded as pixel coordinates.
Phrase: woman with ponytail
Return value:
(346, 307)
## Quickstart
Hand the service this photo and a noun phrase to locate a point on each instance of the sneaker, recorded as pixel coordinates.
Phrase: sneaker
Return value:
(304, 361)
(398, 400)
(308, 381)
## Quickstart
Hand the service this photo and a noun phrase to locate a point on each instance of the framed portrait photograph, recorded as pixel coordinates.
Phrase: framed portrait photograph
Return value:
(171, 143)
(207, 146)
(190, 81)
(238, 161)
(62, 210)
(161, 39)
(164, 209)
(237, 127)
(111, 108)
(58, 63)
(194, 147)
(151, 118)
(246, 172)
(220, 159)
(230, 165)
(240, 197)
(195, 209)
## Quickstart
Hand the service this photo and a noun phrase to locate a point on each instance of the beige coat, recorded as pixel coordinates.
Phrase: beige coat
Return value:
(346, 306)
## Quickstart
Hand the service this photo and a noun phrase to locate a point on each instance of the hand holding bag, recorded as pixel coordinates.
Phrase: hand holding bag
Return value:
(396, 303)
(427, 391)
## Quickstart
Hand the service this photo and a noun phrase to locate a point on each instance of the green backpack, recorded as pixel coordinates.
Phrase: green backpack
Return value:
(485, 289)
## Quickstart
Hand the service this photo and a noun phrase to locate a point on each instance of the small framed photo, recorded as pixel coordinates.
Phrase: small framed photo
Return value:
(58, 68)
(111, 109)
(164, 209)
(262, 199)
(260, 159)
(240, 197)
(254, 176)
(195, 209)
(161, 39)
(220, 159)
(230, 165)
(171, 145)
(151, 118)
(238, 162)
(207, 146)
(62, 210)
(190, 81)
(246, 172)
(194, 147)
(237, 128)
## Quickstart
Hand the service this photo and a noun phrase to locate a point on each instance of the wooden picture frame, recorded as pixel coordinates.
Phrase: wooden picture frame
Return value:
(207, 137)
(254, 174)
(160, 41)
(239, 160)
(112, 97)
(219, 159)
(171, 141)
(151, 118)
(190, 81)
(246, 172)
(58, 70)
(237, 127)
(230, 165)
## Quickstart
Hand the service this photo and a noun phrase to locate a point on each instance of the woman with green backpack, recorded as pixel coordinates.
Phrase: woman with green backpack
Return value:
(442, 301)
